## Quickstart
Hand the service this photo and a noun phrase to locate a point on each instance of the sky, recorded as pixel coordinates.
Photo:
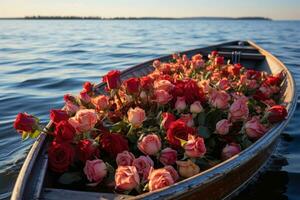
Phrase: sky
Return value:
(275, 9)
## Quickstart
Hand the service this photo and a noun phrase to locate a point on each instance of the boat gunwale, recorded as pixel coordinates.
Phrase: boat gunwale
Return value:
(192, 182)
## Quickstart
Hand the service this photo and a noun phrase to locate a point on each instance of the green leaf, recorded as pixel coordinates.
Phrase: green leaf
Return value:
(69, 178)
(204, 132)
(213, 117)
(119, 126)
(201, 118)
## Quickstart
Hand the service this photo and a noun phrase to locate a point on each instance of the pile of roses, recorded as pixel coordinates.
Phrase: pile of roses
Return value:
(146, 133)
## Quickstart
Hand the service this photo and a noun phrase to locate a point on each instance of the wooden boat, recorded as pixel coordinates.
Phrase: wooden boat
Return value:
(219, 182)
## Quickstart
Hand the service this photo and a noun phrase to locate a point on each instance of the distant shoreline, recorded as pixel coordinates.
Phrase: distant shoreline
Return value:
(131, 18)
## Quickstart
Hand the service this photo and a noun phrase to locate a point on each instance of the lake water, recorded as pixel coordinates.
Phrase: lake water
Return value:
(42, 60)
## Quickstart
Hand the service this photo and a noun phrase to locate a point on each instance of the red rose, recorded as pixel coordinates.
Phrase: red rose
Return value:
(167, 119)
(64, 132)
(69, 98)
(146, 83)
(61, 156)
(132, 85)
(219, 60)
(25, 123)
(273, 80)
(214, 53)
(88, 87)
(253, 74)
(190, 90)
(57, 115)
(113, 79)
(113, 143)
(87, 150)
(259, 96)
(276, 113)
(178, 129)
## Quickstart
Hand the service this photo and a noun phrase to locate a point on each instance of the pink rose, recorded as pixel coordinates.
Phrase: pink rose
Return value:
(160, 178)
(180, 104)
(254, 129)
(163, 85)
(173, 172)
(149, 144)
(168, 156)
(125, 158)
(224, 84)
(222, 127)
(187, 168)
(156, 63)
(95, 170)
(167, 119)
(196, 107)
(101, 102)
(162, 97)
(71, 108)
(266, 90)
(83, 95)
(187, 119)
(136, 116)
(84, 120)
(230, 150)
(143, 165)
(239, 109)
(195, 147)
(219, 99)
(126, 178)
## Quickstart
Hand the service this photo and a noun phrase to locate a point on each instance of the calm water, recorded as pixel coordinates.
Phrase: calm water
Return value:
(40, 61)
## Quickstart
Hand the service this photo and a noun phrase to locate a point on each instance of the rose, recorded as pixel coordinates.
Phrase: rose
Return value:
(266, 90)
(180, 104)
(222, 126)
(224, 84)
(162, 97)
(239, 109)
(149, 144)
(160, 178)
(178, 130)
(84, 97)
(163, 85)
(190, 90)
(61, 156)
(173, 172)
(168, 156)
(253, 74)
(95, 170)
(187, 168)
(219, 99)
(84, 120)
(101, 102)
(196, 107)
(167, 118)
(146, 83)
(254, 129)
(214, 53)
(132, 85)
(64, 132)
(219, 60)
(71, 107)
(112, 79)
(230, 150)
(87, 150)
(58, 115)
(143, 165)
(136, 116)
(276, 113)
(25, 123)
(156, 63)
(195, 147)
(187, 119)
(126, 178)
(124, 158)
(113, 143)
(273, 80)
(88, 87)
